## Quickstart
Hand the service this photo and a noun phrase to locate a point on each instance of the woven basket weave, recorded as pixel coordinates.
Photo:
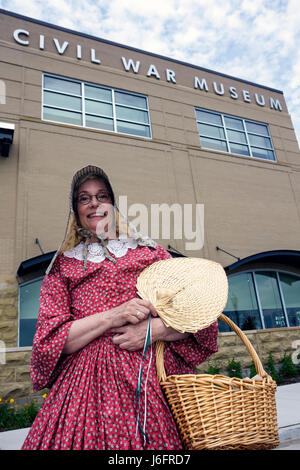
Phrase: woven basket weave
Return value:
(216, 412)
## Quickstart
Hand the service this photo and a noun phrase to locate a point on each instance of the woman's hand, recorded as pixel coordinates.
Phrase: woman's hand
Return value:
(133, 312)
(128, 321)
(84, 330)
(132, 337)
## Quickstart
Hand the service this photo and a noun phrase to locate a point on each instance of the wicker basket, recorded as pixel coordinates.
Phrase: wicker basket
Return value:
(216, 412)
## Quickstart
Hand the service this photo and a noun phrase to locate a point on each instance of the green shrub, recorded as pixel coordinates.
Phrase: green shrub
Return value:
(234, 369)
(213, 370)
(252, 370)
(13, 416)
(287, 367)
(271, 369)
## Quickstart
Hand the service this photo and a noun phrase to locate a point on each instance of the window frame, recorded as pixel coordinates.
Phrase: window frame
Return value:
(228, 142)
(83, 114)
(39, 278)
(257, 295)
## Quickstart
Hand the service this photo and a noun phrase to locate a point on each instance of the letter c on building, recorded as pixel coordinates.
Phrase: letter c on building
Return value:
(17, 33)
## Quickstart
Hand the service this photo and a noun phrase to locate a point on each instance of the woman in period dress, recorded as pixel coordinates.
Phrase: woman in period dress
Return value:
(90, 335)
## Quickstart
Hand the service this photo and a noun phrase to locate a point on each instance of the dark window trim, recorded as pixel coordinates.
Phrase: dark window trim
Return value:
(33, 268)
(280, 257)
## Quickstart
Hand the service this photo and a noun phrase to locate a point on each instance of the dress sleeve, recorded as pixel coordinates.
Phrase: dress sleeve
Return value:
(162, 253)
(54, 321)
(183, 356)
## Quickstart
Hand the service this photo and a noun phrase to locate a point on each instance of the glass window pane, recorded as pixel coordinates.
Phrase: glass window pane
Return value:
(134, 129)
(242, 305)
(29, 302)
(62, 101)
(132, 114)
(263, 153)
(213, 144)
(131, 100)
(257, 128)
(58, 84)
(290, 286)
(237, 136)
(240, 136)
(233, 123)
(259, 141)
(58, 115)
(97, 93)
(270, 299)
(211, 131)
(96, 107)
(211, 118)
(240, 149)
(99, 123)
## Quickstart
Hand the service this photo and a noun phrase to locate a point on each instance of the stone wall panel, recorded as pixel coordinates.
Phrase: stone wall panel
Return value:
(15, 380)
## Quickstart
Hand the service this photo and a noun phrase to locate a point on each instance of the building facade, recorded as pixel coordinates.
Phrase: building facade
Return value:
(208, 164)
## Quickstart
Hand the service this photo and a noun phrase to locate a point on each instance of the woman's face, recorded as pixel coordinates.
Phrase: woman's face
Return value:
(95, 209)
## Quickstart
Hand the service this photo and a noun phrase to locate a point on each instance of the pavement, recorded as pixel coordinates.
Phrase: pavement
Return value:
(288, 418)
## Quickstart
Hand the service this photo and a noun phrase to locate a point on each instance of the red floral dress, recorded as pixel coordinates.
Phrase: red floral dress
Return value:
(91, 403)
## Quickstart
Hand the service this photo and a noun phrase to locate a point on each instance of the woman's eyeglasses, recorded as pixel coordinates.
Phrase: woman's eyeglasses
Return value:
(87, 198)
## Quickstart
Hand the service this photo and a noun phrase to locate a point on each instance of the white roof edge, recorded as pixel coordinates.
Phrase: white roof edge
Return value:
(7, 125)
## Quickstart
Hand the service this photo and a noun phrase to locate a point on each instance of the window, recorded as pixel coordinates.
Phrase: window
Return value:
(263, 299)
(97, 107)
(29, 302)
(290, 287)
(271, 303)
(242, 306)
(231, 134)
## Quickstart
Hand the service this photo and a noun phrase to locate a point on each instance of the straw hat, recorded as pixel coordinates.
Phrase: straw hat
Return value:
(188, 293)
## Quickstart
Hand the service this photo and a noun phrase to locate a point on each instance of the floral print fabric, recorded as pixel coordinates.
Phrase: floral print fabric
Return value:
(91, 404)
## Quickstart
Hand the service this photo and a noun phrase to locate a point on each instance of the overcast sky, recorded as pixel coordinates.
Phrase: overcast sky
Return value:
(256, 40)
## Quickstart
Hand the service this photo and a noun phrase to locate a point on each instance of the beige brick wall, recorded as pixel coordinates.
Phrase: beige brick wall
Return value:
(260, 196)
(9, 312)
(251, 205)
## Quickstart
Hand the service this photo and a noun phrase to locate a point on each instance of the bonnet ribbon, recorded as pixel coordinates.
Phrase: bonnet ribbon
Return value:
(87, 236)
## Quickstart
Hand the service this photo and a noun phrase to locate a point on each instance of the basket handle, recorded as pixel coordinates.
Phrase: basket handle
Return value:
(161, 372)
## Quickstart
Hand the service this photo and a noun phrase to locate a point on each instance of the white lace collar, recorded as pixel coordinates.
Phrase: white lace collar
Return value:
(118, 248)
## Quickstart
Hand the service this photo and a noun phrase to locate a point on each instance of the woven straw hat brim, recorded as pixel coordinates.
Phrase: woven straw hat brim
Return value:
(189, 294)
